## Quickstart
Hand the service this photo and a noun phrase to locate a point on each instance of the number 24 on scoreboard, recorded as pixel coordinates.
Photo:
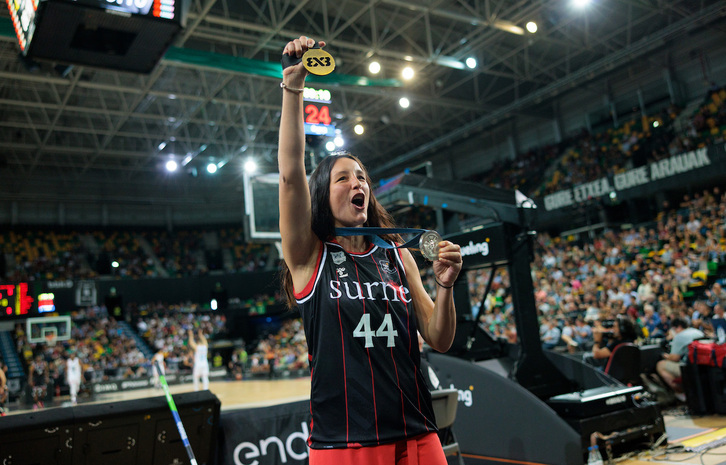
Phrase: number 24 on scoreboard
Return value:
(317, 115)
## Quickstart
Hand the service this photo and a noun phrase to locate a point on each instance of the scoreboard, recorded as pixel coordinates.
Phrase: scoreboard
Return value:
(15, 300)
(317, 112)
(129, 35)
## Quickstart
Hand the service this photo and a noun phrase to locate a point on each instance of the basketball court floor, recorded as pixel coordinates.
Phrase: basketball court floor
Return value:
(701, 435)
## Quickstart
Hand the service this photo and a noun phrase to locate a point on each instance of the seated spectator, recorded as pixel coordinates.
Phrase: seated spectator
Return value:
(583, 334)
(669, 368)
(551, 334)
(719, 324)
(569, 333)
(651, 321)
(605, 340)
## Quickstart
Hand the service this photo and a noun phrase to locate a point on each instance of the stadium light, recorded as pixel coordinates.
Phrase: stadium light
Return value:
(471, 62)
(404, 102)
(250, 166)
(374, 67)
(531, 27)
(171, 166)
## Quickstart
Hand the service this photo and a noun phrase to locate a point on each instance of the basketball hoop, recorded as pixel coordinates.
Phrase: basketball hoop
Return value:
(50, 339)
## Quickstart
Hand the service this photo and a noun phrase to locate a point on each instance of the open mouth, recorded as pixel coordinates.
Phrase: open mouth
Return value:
(359, 200)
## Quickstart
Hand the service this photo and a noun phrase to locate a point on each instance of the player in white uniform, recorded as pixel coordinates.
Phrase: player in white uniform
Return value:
(73, 375)
(158, 357)
(201, 365)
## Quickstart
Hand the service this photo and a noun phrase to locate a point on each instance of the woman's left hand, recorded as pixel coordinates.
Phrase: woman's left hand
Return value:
(448, 265)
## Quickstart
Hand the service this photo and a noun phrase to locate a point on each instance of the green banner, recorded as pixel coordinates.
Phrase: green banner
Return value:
(242, 65)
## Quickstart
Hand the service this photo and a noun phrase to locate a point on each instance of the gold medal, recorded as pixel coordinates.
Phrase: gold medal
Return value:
(429, 245)
(319, 62)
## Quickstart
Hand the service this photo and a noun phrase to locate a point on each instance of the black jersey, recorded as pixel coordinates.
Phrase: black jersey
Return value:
(367, 388)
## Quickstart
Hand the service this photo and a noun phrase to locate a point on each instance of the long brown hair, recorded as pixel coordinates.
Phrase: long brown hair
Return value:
(323, 222)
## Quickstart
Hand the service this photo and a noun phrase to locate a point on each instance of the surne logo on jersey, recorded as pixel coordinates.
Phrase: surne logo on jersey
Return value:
(341, 272)
(379, 290)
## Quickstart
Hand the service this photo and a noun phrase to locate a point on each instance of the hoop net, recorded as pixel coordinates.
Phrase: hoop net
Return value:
(50, 339)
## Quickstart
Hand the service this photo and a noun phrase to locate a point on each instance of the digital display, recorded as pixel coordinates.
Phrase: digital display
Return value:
(317, 112)
(165, 9)
(46, 302)
(22, 13)
(14, 299)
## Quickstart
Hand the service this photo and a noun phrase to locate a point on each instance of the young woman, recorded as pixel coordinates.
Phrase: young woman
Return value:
(361, 305)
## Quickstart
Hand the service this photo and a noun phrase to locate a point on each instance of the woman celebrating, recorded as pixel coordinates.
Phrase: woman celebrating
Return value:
(361, 304)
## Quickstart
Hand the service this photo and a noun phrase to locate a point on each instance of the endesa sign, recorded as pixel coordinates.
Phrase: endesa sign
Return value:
(265, 435)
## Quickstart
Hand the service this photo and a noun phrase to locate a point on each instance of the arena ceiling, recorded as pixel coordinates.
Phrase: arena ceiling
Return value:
(82, 133)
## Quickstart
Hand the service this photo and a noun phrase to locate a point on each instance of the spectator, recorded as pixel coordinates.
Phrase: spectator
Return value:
(669, 368)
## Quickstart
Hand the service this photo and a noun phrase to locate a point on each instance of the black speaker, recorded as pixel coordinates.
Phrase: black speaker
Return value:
(139, 431)
(633, 428)
(38, 438)
(696, 385)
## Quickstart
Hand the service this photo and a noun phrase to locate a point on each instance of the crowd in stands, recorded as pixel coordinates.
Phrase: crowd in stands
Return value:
(55, 255)
(165, 328)
(652, 274)
(39, 254)
(589, 156)
(281, 351)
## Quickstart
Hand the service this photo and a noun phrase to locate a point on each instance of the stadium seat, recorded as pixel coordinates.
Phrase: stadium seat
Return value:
(445, 403)
(624, 364)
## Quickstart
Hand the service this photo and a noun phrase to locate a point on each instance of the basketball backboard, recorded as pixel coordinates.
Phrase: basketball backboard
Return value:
(261, 206)
(38, 329)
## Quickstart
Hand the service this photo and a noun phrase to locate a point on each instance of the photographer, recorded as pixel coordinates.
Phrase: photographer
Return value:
(605, 338)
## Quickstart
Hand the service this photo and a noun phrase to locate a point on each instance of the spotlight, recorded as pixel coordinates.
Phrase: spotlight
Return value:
(531, 27)
(580, 3)
(330, 146)
(374, 67)
(211, 168)
(359, 129)
(407, 73)
(171, 166)
(403, 101)
(471, 62)
(339, 142)
(250, 166)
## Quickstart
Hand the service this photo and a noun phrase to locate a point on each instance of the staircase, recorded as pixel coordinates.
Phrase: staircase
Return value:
(149, 250)
(140, 343)
(15, 374)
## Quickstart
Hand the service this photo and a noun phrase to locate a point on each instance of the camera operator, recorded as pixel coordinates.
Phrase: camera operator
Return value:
(606, 338)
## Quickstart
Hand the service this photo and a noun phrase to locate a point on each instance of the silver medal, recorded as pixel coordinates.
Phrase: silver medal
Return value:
(429, 245)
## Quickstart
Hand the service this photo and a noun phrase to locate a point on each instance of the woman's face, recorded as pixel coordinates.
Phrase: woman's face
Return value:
(349, 193)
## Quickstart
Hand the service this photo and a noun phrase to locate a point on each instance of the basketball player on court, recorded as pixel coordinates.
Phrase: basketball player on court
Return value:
(201, 365)
(38, 379)
(155, 373)
(361, 305)
(73, 376)
(3, 389)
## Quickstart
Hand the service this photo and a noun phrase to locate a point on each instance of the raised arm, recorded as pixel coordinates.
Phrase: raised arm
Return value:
(299, 243)
(192, 344)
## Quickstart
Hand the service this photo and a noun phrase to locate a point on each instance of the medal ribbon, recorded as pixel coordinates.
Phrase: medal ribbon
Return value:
(373, 235)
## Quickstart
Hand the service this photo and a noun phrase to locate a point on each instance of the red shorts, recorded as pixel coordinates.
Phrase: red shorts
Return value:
(421, 450)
